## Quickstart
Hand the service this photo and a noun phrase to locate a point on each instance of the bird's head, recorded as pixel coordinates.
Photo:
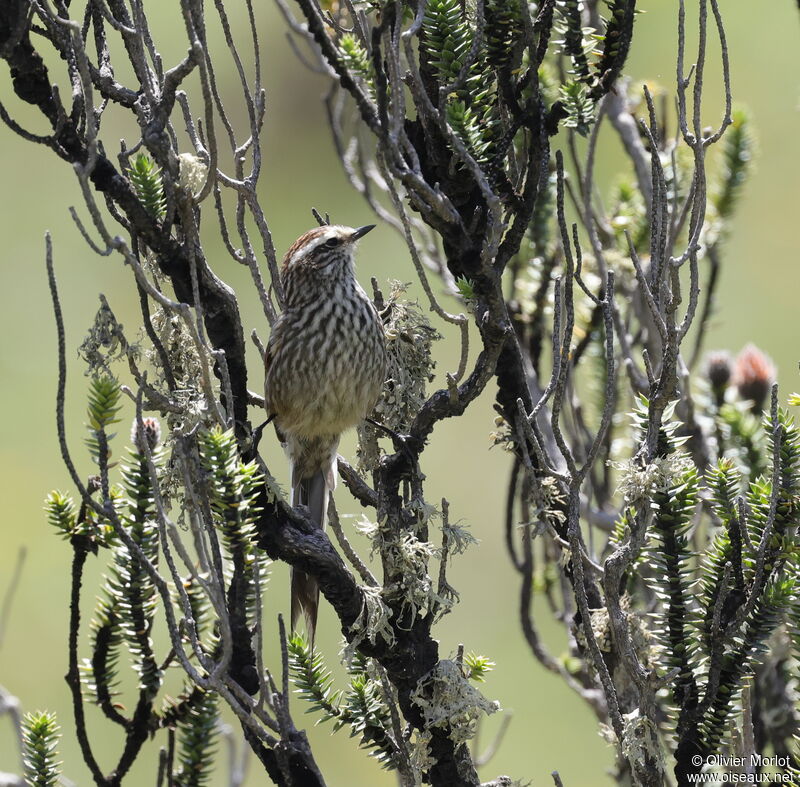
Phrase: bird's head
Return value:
(326, 251)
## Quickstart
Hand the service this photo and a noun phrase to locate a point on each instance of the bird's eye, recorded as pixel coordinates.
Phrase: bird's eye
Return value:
(332, 243)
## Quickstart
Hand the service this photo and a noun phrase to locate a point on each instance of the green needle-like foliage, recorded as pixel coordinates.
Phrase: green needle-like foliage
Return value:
(131, 584)
(737, 156)
(147, 182)
(503, 27)
(574, 96)
(724, 484)
(104, 397)
(743, 438)
(200, 606)
(787, 512)
(104, 405)
(232, 487)
(127, 610)
(668, 441)
(621, 527)
(64, 517)
(465, 288)
(472, 107)
(447, 38)
(573, 42)
(477, 667)
(360, 707)
(100, 673)
(770, 609)
(40, 735)
(616, 42)
(789, 459)
(61, 513)
(794, 617)
(125, 613)
(313, 679)
(197, 739)
(715, 628)
(463, 121)
(368, 716)
(675, 508)
(592, 78)
(760, 568)
(356, 58)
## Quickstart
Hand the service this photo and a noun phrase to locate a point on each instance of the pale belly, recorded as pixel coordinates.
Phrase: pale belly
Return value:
(327, 376)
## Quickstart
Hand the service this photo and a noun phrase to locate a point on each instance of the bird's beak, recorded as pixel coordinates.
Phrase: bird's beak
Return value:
(361, 232)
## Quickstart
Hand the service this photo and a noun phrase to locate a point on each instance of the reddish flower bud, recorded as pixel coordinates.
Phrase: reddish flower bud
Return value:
(152, 434)
(719, 368)
(753, 376)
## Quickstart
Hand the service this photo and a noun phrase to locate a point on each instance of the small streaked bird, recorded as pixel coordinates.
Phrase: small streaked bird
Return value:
(325, 366)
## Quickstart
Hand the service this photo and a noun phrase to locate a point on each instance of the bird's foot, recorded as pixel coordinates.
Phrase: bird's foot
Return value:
(258, 432)
(402, 442)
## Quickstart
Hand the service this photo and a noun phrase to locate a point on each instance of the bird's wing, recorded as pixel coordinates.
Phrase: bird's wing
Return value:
(273, 345)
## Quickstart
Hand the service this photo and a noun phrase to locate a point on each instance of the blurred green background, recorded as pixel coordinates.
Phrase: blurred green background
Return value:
(552, 729)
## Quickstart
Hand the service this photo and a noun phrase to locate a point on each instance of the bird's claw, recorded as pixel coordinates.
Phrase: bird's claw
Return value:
(402, 442)
(258, 432)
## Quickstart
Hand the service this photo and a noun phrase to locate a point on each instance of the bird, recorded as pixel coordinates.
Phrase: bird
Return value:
(325, 365)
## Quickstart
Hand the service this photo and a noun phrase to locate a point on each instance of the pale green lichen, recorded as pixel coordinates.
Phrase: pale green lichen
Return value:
(180, 349)
(371, 623)
(448, 700)
(409, 338)
(187, 370)
(192, 173)
(639, 482)
(601, 628)
(546, 502)
(419, 755)
(368, 451)
(372, 530)
(641, 637)
(422, 510)
(640, 740)
(408, 559)
(105, 342)
(458, 537)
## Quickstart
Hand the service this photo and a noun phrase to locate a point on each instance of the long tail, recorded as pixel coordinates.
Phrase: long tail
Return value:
(312, 492)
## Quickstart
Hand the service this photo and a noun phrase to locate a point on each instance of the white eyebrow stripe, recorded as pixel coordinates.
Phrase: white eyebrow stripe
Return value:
(323, 238)
(307, 249)
(339, 231)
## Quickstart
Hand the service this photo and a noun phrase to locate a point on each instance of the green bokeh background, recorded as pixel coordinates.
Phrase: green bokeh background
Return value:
(552, 729)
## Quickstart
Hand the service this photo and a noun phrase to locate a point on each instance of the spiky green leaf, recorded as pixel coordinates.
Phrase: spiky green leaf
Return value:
(147, 181)
(40, 736)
